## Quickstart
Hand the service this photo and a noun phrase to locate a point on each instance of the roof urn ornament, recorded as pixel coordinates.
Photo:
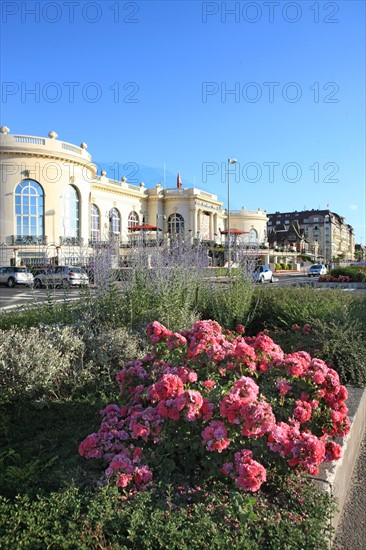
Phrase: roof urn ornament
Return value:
(4, 130)
(52, 134)
(83, 145)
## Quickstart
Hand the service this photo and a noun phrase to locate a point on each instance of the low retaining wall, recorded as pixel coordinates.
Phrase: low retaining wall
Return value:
(339, 285)
(336, 476)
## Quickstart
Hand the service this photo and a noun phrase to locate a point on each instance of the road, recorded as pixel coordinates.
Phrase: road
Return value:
(12, 298)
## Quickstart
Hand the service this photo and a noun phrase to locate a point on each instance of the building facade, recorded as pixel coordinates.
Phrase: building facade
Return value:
(322, 234)
(53, 204)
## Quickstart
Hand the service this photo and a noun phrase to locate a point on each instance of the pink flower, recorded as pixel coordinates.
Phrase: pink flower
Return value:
(158, 332)
(171, 408)
(230, 406)
(169, 386)
(283, 386)
(142, 475)
(245, 353)
(302, 411)
(214, 436)
(265, 348)
(194, 402)
(206, 410)
(333, 451)
(209, 384)
(307, 453)
(250, 473)
(257, 419)
(89, 448)
(297, 363)
(283, 437)
(123, 480)
(246, 389)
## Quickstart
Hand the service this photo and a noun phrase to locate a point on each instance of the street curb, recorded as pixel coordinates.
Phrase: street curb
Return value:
(335, 477)
(339, 285)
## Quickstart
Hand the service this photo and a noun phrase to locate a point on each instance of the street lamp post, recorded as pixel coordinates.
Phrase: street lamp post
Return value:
(229, 161)
(157, 226)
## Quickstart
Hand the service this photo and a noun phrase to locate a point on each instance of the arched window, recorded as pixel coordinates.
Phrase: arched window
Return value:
(253, 235)
(29, 209)
(114, 221)
(133, 220)
(70, 212)
(175, 224)
(95, 223)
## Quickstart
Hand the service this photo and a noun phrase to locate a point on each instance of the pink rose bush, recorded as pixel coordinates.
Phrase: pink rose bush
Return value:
(214, 402)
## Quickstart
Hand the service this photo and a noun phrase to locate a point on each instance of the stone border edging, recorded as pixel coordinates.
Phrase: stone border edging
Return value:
(339, 285)
(336, 476)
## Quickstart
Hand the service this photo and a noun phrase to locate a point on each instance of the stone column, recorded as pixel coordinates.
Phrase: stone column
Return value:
(212, 226)
(199, 223)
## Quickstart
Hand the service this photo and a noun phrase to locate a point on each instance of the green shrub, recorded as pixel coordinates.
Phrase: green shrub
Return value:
(206, 518)
(229, 304)
(39, 442)
(54, 361)
(167, 295)
(38, 361)
(105, 354)
(357, 274)
(284, 306)
(339, 341)
(103, 307)
(342, 343)
(35, 314)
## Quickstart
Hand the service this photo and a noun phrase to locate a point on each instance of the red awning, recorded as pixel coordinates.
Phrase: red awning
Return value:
(144, 227)
(234, 231)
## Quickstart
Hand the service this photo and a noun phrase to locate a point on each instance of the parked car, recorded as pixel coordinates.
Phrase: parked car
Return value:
(61, 275)
(262, 273)
(316, 270)
(12, 276)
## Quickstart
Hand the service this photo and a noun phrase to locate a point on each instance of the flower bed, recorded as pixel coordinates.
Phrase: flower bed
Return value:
(331, 279)
(208, 403)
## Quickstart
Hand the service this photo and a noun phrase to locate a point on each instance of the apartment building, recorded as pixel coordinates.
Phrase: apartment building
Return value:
(323, 234)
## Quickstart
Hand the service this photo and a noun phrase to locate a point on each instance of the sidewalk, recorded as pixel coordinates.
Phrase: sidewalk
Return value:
(351, 532)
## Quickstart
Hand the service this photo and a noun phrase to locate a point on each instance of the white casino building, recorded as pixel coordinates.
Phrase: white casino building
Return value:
(53, 204)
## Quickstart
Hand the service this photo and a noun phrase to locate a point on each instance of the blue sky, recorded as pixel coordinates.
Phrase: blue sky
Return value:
(187, 84)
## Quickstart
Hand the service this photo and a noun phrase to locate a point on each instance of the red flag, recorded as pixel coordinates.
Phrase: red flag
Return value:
(179, 181)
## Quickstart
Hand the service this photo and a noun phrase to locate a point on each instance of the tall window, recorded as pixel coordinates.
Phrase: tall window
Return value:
(95, 222)
(133, 220)
(175, 223)
(114, 221)
(253, 235)
(29, 209)
(70, 212)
